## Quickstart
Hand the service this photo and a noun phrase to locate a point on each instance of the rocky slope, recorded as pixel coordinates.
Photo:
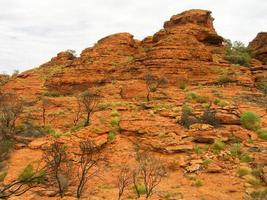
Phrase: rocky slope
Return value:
(190, 55)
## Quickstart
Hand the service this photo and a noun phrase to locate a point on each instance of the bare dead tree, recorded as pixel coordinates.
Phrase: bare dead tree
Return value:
(78, 112)
(89, 101)
(153, 83)
(58, 165)
(45, 105)
(89, 160)
(124, 180)
(122, 92)
(11, 107)
(150, 171)
(28, 179)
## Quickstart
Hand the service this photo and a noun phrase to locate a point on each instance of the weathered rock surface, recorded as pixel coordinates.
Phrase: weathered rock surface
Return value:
(258, 47)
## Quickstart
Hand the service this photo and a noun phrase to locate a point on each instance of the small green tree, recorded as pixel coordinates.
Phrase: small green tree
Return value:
(237, 53)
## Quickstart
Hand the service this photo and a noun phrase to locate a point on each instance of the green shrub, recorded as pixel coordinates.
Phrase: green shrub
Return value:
(242, 171)
(250, 120)
(245, 158)
(53, 133)
(262, 86)
(111, 136)
(216, 101)
(225, 78)
(206, 162)
(29, 129)
(115, 121)
(78, 126)
(197, 183)
(52, 94)
(254, 182)
(236, 150)
(115, 113)
(259, 194)
(196, 97)
(198, 150)
(262, 133)
(220, 103)
(2, 176)
(141, 189)
(182, 85)
(187, 109)
(29, 174)
(218, 146)
(256, 171)
(237, 53)
(5, 146)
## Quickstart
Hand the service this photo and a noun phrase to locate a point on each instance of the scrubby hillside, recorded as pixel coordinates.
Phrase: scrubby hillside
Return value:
(176, 104)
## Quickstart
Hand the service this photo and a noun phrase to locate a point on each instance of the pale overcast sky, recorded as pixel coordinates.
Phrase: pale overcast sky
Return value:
(33, 31)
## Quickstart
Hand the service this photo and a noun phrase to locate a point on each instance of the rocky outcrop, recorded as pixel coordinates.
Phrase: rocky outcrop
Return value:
(258, 47)
(186, 36)
(187, 48)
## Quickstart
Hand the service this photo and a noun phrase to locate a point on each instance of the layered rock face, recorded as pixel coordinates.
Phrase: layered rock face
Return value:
(258, 47)
(186, 36)
(188, 48)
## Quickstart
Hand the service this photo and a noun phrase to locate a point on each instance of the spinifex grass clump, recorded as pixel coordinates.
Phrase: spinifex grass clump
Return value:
(115, 125)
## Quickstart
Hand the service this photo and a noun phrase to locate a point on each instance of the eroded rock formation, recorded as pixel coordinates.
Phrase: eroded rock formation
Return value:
(258, 47)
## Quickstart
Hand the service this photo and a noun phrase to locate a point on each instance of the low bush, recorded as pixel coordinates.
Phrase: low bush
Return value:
(5, 147)
(262, 133)
(220, 103)
(29, 129)
(198, 150)
(250, 120)
(111, 136)
(259, 194)
(182, 85)
(218, 146)
(245, 158)
(242, 171)
(197, 183)
(2, 176)
(225, 78)
(206, 162)
(236, 150)
(262, 86)
(78, 126)
(141, 189)
(196, 97)
(52, 94)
